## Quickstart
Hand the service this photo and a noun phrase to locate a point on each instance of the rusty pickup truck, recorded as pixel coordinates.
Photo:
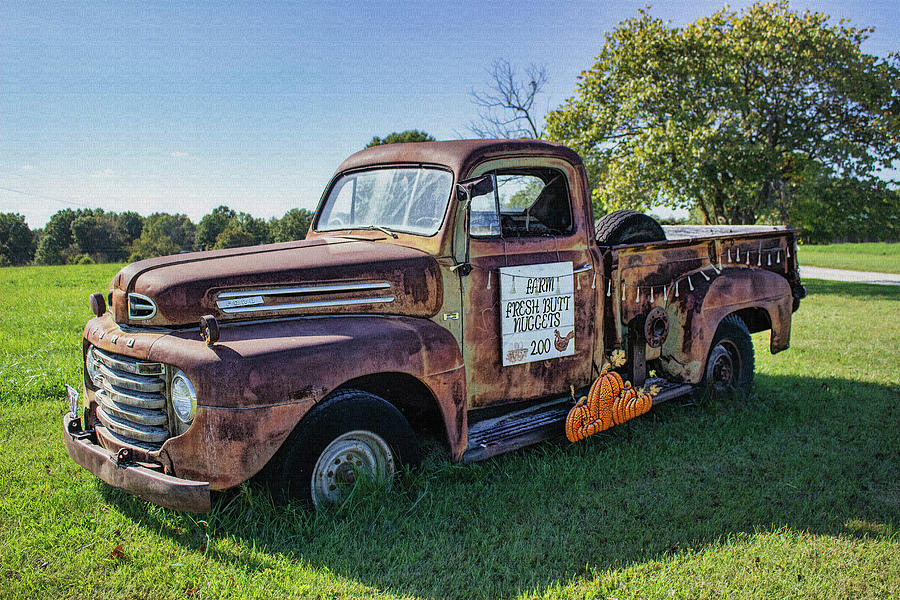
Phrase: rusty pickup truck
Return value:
(459, 290)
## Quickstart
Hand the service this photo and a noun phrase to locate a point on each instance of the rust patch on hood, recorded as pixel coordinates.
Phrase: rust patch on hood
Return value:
(318, 276)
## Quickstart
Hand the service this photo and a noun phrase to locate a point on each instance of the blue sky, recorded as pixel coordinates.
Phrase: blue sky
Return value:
(182, 106)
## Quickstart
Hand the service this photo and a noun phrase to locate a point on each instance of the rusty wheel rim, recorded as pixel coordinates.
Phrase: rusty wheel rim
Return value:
(348, 457)
(723, 366)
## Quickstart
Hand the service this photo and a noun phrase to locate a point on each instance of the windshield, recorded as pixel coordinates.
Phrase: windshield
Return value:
(405, 199)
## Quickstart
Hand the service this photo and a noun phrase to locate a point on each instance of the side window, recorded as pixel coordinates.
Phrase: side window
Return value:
(534, 203)
(485, 222)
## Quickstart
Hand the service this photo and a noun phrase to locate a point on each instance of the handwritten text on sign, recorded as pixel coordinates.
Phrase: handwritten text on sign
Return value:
(537, 312)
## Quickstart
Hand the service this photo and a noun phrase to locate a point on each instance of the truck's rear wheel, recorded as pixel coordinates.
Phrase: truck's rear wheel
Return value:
(627, 227)
(730, 363)
(348, 435)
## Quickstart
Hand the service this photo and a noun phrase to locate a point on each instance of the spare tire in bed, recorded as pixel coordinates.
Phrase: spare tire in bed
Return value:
(627, 227)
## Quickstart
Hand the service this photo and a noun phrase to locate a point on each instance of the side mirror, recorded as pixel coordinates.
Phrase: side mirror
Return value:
(477, 186)
(465, 191)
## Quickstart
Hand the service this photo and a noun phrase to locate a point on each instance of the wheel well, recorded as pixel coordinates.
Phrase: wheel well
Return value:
(756, 319)
(410, 396)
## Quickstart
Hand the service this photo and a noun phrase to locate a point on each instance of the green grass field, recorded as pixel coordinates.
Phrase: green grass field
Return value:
(793, 492)
(879, 257)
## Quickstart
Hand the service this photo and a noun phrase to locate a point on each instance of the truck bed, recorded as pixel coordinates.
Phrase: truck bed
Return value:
(694, 232)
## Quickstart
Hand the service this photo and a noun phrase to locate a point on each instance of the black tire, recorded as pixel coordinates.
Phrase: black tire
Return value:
(351, 427)
(730, 362)
(627, 227)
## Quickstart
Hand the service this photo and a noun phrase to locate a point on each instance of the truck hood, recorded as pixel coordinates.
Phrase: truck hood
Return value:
(308, 277)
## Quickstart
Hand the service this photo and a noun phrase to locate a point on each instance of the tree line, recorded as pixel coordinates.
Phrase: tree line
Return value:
(97, 236)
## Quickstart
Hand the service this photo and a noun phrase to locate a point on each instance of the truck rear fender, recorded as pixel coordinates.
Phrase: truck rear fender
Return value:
(761, 298)
(255, 385)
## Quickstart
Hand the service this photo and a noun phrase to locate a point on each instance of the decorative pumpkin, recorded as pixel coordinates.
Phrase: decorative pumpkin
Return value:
(609, 402)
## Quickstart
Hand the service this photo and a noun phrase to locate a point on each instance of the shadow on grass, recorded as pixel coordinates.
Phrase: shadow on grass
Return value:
(805, 453)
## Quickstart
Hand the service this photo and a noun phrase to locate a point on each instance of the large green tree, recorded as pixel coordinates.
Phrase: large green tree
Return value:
(410, 135)
(292, 226)
(243, 229)
(212, 225)
(16, 240)
(56, 238)
(732, 112)
(163, 234)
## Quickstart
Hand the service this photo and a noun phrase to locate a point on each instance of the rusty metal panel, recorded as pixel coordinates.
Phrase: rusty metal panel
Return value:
(186, 287)
(698, 282)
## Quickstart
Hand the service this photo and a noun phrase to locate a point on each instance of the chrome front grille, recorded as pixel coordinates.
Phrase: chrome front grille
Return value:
(131, 402)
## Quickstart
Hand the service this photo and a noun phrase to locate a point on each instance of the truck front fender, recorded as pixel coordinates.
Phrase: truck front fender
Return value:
(256, 383)
(701, 309)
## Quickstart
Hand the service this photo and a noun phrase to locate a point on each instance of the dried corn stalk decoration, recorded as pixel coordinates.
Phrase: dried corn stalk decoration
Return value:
(609, 402)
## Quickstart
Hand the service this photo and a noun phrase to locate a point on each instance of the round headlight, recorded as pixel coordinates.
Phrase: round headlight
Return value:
(91, 363)
(184, 399)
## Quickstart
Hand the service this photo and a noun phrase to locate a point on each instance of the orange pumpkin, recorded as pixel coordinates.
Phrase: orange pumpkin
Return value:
(609, 402)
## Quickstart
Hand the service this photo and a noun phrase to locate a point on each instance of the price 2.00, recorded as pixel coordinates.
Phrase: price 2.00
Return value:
(539, 347)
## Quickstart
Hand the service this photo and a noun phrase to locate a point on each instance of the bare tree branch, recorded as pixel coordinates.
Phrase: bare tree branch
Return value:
(505, 108)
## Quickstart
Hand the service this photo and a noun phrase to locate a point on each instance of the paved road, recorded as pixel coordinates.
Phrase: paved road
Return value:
(854, 276)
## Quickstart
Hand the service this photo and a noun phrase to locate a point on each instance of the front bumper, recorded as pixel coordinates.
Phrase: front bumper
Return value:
(171, 492)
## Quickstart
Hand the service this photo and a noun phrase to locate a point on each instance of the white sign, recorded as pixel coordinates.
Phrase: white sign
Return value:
(537, 312)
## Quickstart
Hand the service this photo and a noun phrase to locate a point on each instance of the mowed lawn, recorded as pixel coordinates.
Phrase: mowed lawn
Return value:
(793, 492)
(879, 257)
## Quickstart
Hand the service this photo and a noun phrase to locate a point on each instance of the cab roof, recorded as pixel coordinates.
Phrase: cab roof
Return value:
(458, 155)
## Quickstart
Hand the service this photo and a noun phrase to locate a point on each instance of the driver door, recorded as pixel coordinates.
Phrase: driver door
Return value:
(544, 349)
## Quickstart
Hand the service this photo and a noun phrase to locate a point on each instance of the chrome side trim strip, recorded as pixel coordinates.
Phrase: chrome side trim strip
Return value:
(309, 289)
(318, 304)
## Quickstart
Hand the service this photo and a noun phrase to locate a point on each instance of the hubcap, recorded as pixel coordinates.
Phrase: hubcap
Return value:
(345, 459)
(723, 366)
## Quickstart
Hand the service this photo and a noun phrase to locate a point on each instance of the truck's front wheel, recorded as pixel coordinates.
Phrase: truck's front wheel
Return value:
(350, 434)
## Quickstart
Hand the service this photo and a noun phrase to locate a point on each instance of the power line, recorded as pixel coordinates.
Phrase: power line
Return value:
(51, 198)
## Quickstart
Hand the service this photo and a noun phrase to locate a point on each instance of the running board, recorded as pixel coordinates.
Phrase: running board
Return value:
(521, 428)
(668, 390)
